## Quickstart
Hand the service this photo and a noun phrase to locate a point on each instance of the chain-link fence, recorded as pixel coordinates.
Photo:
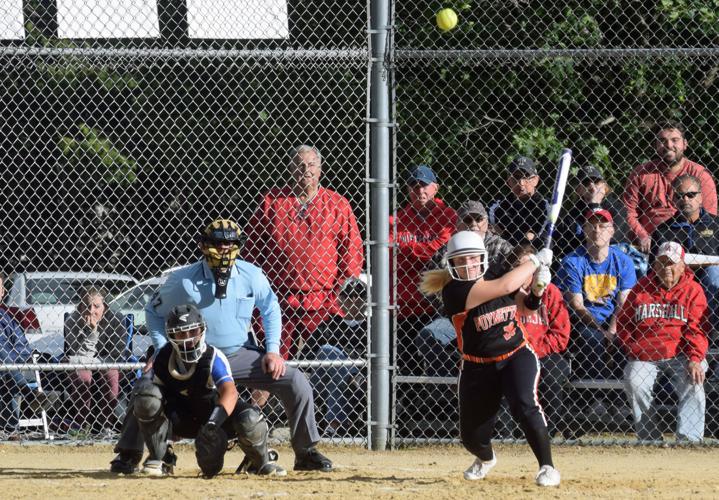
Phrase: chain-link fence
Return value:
(528, 79)
(127, 128)
(126, 132)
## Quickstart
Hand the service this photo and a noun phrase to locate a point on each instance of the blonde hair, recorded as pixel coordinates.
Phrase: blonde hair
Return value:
(434, 281)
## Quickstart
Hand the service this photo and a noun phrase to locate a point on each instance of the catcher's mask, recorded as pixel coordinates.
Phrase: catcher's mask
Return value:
(220, 243)
(466, 244)
(185, 328)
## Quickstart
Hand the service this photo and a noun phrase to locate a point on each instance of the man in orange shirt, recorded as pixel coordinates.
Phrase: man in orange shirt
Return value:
(648, 194)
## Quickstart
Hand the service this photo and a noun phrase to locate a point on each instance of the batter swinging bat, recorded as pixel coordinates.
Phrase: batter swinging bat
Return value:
(560, 184)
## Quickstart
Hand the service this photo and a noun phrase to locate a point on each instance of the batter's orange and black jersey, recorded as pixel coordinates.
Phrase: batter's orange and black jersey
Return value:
(488, 330)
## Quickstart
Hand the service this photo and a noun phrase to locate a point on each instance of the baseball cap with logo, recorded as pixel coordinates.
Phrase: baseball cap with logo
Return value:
(523, 164)
(599, 212)
(589, 172)
(421, 173)
(472, 207)
(671, 249)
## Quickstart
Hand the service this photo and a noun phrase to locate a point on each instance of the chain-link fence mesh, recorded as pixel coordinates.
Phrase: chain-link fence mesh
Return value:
(520, 79)
(125, 133)
(127, 128)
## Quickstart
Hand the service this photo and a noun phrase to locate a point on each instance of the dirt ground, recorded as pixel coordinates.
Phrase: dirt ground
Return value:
(43, 471)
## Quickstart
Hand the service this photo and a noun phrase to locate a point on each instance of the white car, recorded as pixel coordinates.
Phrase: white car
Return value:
(133, 301)
(52, 294)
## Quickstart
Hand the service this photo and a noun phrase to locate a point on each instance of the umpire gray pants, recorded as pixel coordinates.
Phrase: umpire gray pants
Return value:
(293, 390)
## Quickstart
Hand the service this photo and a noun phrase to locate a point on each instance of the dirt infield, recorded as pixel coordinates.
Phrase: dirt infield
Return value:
(81, 472)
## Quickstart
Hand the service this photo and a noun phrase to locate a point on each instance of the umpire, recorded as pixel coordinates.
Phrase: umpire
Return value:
(227, 290)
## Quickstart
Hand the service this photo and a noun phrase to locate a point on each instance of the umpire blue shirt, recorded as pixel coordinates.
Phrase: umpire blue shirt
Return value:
(228, 320)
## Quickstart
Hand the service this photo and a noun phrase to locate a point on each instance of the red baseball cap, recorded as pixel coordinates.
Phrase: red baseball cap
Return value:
(671, 249)
(599, 212)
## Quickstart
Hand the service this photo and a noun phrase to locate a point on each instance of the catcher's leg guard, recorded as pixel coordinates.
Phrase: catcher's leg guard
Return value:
(252, 431)
(154, 425)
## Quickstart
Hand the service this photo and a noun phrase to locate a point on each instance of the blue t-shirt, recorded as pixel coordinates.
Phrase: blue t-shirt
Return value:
(600, 283)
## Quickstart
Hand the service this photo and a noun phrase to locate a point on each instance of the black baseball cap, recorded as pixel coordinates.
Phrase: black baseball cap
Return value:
(589, 172)
(523, 164)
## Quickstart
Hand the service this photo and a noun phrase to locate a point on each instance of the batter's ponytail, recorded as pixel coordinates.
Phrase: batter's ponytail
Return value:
(433, 281)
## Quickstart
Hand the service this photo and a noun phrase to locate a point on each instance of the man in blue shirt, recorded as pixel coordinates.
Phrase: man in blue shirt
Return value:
(595, 280)
(14, 348)
(226, 290)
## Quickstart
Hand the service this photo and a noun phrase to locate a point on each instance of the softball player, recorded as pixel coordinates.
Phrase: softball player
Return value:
(496, 358)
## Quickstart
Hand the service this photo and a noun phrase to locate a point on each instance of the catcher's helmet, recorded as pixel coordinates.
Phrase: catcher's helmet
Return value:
(181, 320)
(466, 244)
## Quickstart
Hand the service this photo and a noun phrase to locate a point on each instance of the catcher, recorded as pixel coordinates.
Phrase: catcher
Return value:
(190, 393)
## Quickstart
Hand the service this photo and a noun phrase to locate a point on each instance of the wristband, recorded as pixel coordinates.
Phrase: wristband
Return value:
(218, 416)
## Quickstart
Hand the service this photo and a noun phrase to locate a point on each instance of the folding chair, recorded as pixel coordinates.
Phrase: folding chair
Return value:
(40, 398)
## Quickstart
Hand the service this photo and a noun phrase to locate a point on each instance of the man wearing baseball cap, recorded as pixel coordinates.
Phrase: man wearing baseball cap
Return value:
(663, 327)
(592, 191)
(595, 280)
(423, 226)
(520, 216)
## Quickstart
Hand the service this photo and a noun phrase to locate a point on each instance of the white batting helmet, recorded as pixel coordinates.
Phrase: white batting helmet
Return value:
(466, 244)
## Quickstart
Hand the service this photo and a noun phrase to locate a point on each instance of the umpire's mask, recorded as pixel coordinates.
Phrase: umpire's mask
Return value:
(220, 243)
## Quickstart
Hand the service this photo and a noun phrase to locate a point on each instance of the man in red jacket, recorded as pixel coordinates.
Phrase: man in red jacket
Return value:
(306, 240)
(423, 227)
(663, 328)
(648, 193)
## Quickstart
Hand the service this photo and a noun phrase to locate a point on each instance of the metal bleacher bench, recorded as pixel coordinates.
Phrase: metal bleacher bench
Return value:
(599, 384)
(608, 384)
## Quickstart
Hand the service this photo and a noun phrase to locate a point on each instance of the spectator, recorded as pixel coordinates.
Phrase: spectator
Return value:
(648, 193)
(592, 191)
(662, 327)
(595, 280)
(94, 334)
(14, 348)
(520, 216)
(472, 216)
(340, 337)
(423, 227)
(548, 333)
(305, 238)
(697, 231)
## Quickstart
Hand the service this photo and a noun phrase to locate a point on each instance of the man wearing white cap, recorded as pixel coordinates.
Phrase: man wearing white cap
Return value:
(663, 327)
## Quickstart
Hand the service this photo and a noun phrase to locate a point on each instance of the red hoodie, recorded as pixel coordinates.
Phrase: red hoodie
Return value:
(418, 239)
(548, 327)
(655, 323)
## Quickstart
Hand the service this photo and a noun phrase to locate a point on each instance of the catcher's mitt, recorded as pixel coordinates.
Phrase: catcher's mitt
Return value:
(210, 448)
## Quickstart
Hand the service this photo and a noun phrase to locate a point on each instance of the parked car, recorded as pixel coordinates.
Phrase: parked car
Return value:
(51, 295)
(133, 301)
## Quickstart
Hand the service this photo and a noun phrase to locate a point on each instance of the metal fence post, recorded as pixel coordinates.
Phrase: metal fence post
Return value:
(379, 121)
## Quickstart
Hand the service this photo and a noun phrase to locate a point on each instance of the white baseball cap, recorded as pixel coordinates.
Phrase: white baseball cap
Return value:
(671, 249)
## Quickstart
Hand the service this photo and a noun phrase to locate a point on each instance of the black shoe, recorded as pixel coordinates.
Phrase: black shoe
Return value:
(313, 460)
(126, 462)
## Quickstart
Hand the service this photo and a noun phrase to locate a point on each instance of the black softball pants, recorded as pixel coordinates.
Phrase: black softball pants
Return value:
(481, 387)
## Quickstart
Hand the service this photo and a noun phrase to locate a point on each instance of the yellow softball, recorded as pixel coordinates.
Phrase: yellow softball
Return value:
(446, 19)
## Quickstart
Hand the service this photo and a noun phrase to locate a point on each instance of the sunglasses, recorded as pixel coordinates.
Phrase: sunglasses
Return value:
(689, 195)
(588, 181)
(472, 218)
